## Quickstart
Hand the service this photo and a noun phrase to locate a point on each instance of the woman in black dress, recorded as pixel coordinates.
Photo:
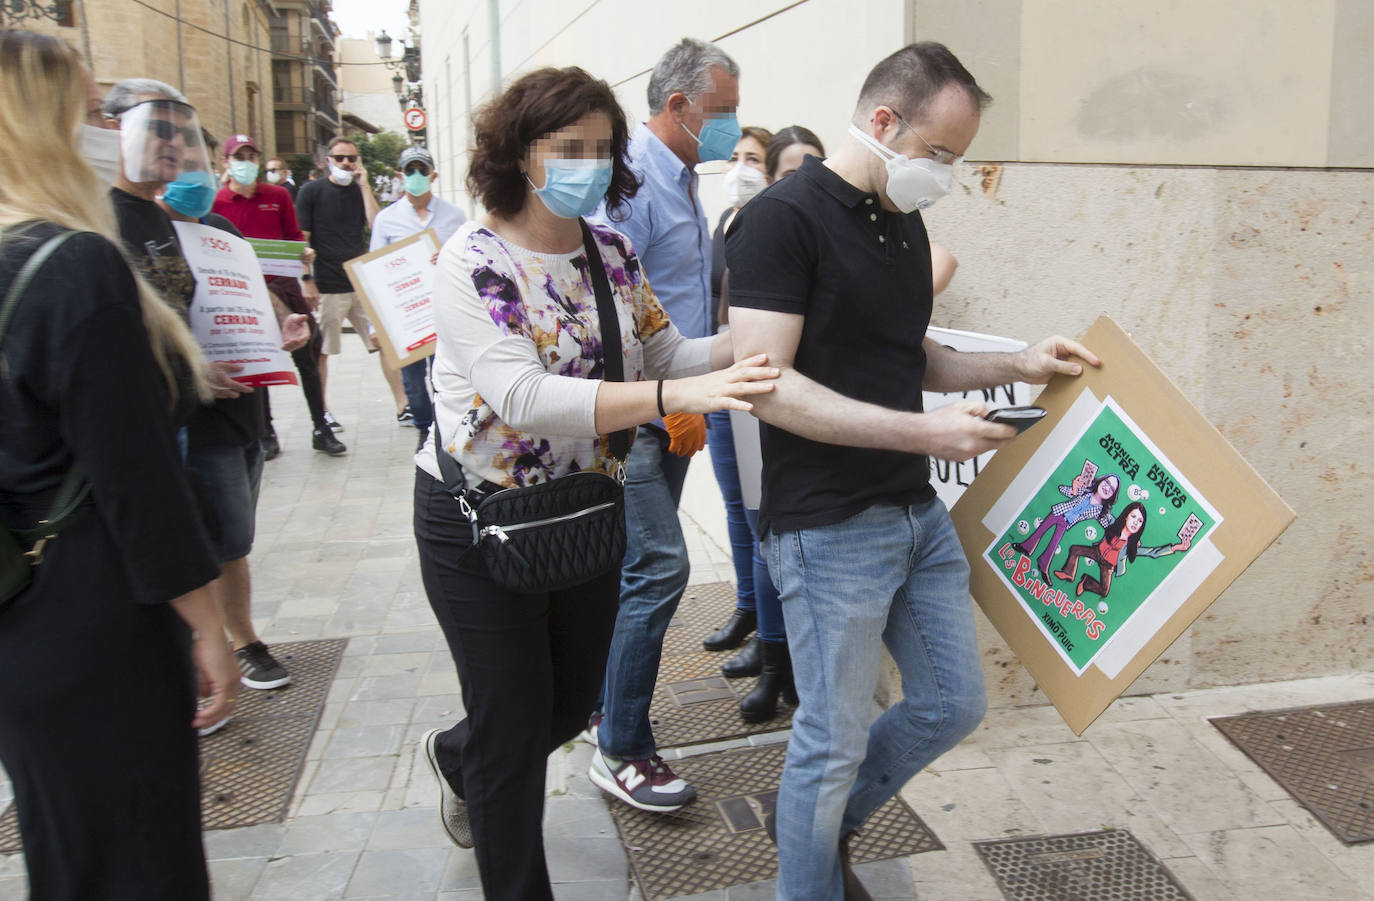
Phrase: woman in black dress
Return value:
(102, 651)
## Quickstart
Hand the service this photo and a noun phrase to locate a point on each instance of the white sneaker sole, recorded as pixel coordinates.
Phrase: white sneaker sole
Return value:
(428, 744)
(262, 686)
(613, 788)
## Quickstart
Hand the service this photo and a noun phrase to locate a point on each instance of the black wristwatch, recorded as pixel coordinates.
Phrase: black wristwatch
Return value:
(307, 277)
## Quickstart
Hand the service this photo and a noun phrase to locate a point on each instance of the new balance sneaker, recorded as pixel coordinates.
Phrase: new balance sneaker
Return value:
(646, 784)
(259, 668)
(589, 734)
(405, 417)
(453, 810)
(333, 423)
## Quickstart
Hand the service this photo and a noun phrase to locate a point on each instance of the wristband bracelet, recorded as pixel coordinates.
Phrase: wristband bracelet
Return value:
(661, 412)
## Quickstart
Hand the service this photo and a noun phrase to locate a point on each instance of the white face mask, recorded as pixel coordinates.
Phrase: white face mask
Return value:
(100, 147)
(743, 183)
(273, 177)
(911, 184)
(340, 177)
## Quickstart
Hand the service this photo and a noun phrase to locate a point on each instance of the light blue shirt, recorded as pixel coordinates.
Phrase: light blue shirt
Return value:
(400, 220)
(667, 227)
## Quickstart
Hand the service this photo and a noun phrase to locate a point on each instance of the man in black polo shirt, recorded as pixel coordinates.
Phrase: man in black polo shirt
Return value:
(334, 213)
(830, 275)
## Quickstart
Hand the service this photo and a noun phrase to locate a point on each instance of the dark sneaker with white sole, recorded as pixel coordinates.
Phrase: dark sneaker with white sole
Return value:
(259, 668)
(589, 734)
(647, 784)
(453, 810)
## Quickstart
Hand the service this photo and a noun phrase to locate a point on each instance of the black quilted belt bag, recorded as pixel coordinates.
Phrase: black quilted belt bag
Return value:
(565, 531)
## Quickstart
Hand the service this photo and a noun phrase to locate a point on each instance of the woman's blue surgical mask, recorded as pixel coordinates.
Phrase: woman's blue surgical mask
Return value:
(719, 135)
(573, 188)
(192, 194)
(417, 184)
(245, 172)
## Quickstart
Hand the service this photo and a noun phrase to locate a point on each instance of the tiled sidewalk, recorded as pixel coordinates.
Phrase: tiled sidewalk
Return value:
(335, 558)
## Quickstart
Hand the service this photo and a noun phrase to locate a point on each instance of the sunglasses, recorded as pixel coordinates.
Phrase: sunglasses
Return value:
(415, 167)
(344, 157)
(166, 131)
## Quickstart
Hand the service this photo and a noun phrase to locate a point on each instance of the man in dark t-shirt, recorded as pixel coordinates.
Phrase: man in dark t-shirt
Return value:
(334, 214)
(830, 276)
(161, 144)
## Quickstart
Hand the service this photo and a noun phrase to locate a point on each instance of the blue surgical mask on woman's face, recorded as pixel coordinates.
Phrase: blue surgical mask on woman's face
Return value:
(573, 188)
(719, 135)
(192, 194)
(417, 184)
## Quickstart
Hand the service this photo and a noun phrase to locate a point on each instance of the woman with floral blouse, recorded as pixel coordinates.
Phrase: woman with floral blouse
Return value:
(519, 400)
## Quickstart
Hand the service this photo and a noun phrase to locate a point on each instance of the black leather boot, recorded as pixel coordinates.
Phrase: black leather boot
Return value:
(748, 662)
(733, 633)
(776, 679)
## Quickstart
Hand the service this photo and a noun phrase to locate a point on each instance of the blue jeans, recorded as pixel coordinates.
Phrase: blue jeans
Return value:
(414, 378)
(722, 443)
(652, 580)
(745, 550)
(890, 575)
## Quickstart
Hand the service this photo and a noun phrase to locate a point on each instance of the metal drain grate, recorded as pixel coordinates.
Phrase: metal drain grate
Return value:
(1108, 865)
(718, 840)
(1323, 756)
(693, 704)
(249, 768)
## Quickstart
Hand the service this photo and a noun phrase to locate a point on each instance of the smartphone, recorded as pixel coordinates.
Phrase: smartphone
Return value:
(1021, 418)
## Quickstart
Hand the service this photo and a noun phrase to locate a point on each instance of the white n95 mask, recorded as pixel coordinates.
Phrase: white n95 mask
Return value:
(911, 184)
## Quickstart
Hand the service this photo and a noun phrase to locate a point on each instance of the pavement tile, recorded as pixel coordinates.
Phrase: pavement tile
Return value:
(353, 774)
(388, 712)
(364, 741)
(1355, 861)
(955, 874)
(969, 805)
(397, 830)
(1272, 862)
(1072, 788)
(331, 832)
(413, 870)
(234, 880)
(340, 802)
(1189, 788)
(319, 877)
(247, 842)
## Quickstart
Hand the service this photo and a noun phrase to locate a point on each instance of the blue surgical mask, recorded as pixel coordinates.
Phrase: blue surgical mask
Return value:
(192, 194)
(719, 135)
(417, 184)
(573, 188)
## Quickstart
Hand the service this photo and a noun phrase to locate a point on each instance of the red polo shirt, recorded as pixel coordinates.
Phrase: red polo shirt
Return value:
(269, 213)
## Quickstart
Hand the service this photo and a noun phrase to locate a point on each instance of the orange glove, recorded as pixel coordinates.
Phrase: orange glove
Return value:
(687, 431)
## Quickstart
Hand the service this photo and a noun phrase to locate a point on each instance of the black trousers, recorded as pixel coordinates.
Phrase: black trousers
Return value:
(96, 698)
(531, 668)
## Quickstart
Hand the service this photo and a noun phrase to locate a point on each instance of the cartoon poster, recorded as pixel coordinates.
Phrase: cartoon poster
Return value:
(1100, 534)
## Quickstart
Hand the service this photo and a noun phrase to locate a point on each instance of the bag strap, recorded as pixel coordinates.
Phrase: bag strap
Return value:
(613, 359)
(74, 488)
(613, 364)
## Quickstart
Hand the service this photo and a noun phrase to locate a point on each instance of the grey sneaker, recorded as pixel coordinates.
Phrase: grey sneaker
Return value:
(647, 784)
(259, 668)
(453, 810)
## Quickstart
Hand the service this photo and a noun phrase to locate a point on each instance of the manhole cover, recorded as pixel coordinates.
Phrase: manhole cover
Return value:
(1323, 756)
(719, 841)
(693, 704)
(1108, 865)
(249, 768)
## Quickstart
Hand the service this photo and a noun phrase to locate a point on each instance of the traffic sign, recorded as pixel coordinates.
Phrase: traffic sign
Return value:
(415, 119)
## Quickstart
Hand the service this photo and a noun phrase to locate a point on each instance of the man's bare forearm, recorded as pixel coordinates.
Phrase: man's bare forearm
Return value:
(949, 370)
(807, 408)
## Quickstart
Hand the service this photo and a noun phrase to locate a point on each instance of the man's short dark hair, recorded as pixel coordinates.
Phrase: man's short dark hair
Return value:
(537, 104)
(910, 78)
(341, 139)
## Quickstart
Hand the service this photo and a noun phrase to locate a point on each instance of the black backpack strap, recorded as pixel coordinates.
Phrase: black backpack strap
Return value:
(74, 489)
(614, 361)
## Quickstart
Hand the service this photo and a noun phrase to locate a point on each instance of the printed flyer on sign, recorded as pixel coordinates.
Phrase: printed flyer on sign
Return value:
(231, 314)
(1098, 537)
(279, 257)
(396, 284)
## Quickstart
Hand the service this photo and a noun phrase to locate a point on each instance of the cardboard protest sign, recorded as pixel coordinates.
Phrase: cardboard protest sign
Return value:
(396, 286)
(1100, 534)
(231, 315)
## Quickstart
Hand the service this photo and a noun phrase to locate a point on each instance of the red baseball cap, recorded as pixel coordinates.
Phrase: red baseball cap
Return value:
(234, 142)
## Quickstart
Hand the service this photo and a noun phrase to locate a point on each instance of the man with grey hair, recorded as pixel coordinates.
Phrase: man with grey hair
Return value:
(162, 148)
(693, 94)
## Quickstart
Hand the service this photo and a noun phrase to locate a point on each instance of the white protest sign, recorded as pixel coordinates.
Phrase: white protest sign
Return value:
(950, 479)
(231, 314)
(396, 285)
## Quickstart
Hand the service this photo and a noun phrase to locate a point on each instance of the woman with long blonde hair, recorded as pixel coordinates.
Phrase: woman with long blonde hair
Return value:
(103, 647)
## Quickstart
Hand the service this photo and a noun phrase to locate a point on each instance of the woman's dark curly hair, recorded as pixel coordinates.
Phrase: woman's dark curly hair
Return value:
(536, 104)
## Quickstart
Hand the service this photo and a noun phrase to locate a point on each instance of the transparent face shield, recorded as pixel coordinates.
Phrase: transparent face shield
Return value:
(159, 140)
